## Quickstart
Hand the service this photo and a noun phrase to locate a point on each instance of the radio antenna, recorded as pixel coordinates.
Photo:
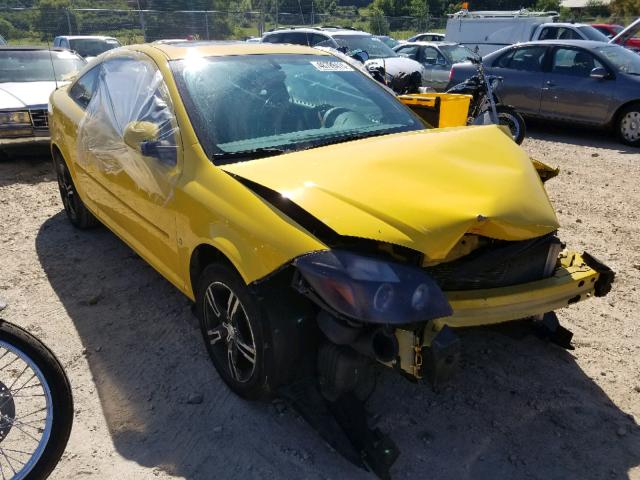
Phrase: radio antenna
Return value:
(53, 68)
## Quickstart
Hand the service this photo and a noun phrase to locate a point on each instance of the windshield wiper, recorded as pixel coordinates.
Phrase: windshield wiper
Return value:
(221, 158)
(350, 138)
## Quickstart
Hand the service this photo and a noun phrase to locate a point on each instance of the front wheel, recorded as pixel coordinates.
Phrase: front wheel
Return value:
(513, 120)
(36, 406)
(78, 214)
(233, 329)
(628, 125)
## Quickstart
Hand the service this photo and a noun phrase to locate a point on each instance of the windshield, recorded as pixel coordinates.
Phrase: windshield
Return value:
(623, 60)
(592, 34)
(92, 47)
(36, 65)
(456, 53)
(242, 107)
(372, 45)
(389, 42)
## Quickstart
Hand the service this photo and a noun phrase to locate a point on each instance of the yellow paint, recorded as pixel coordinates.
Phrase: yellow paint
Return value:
(422, 190)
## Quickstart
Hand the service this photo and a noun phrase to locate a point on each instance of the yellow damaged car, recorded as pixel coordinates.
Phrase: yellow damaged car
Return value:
(314, 220)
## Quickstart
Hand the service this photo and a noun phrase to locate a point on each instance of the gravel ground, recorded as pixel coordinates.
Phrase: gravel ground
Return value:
(149, 405)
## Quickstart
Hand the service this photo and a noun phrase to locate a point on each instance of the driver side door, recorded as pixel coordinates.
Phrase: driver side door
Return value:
(131, 143)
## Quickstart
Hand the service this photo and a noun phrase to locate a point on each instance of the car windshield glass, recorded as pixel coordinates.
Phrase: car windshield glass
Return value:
(243, 107)
(375, 47)
(389, 42)
(456, 53)
(37, 65)
(593, 34)
(623, 60)
(91, 47)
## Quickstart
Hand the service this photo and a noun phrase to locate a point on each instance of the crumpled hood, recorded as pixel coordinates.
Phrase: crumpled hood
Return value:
(26, 94)
(423, 190)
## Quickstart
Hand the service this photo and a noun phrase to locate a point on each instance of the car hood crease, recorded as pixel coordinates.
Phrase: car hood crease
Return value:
(423, 190)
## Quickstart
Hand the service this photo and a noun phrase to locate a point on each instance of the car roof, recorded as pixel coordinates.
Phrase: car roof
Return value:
(30, 47)
(82, 37)
(177, 51)
(430, 44)
(570, 43)
(329, 30)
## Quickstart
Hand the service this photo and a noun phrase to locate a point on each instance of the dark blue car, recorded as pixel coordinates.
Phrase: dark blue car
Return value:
(582, 82)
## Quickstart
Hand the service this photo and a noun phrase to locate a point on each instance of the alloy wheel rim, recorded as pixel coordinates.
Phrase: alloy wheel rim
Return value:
(630, 126)
(229, 332)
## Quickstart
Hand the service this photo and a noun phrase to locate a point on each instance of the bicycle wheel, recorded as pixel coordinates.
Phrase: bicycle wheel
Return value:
(36, 406)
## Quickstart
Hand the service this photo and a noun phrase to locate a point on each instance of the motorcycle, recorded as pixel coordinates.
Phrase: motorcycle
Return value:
(36, 406)
(485, 107)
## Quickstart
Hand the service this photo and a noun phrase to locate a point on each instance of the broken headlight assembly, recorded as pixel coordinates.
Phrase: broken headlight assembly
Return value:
(369, 289)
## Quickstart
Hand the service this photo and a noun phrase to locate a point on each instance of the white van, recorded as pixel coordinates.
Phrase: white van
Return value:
(490, 31)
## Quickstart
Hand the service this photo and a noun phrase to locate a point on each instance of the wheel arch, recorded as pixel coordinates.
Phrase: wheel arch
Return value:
(616, 116)
(205, 254)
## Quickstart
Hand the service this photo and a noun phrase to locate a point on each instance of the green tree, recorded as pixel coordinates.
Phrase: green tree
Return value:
(547, 6)
(378, 24)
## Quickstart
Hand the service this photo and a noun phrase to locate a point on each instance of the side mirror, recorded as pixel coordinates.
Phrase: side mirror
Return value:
(599, 73)
(142, 137)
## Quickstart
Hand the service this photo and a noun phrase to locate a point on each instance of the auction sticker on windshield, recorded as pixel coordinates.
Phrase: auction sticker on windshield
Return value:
(332, 66)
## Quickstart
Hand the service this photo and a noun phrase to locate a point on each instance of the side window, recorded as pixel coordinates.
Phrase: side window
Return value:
(528, 59)
(574, 62)
(549, 33)
(569, 34)
(133, 90)
(410, 51)
(431, 56)
(316, 39)
(295, 38)
(504, 59)
(82, 91)
(56, 42)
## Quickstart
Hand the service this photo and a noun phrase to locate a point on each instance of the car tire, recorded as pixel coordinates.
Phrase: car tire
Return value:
(513, 120)
(628, 125)
(77, 213)
(232, 326)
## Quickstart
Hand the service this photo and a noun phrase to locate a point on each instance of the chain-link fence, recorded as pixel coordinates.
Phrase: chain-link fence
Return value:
(39, 26)
(30, 26)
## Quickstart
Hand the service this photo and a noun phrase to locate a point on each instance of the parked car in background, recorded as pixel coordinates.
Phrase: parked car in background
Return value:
(28, 75)
(610, 31)
(87, 46)
(427, 37)
(581, 82)
(437, 58)
(388, 41)
(348, 40)
(629, 36)
(490, 31)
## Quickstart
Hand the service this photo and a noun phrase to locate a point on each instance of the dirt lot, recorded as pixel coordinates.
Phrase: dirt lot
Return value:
(149, 405)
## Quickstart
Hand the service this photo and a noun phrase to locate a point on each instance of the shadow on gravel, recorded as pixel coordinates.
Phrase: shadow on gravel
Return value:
(519, 408)
(26, 166)
(573, 135)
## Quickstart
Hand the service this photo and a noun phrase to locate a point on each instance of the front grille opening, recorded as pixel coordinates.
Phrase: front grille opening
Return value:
(39, 119)
(500, 264)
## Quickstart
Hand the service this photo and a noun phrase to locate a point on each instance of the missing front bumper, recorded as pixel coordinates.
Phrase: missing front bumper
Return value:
(432, 351)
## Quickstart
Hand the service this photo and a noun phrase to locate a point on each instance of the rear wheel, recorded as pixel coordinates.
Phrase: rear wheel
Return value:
(513, 120)
(628, 125)
(79, 216)
(232, 327)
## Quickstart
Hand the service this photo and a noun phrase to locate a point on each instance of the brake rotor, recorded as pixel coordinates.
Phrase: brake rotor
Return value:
(7, 411)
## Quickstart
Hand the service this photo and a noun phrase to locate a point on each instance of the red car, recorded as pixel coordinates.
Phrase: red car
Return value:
(611, 31)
